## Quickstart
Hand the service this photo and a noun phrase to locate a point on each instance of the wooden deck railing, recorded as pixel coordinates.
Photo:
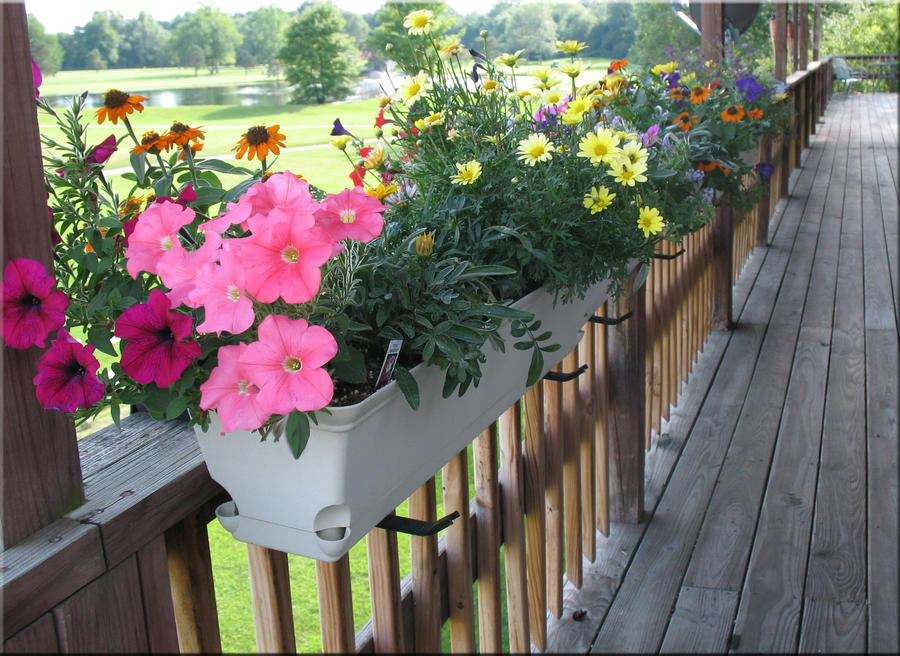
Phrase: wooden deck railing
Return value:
(548, 478)
(879, 72)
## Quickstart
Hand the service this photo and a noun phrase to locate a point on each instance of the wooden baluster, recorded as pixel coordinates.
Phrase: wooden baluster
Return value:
(270, 589)
(648, 385)
(601, 401)
(512, 482)
(659, 326)
(193, 592)
(459, 559)
(534, 461)
(625, 346)
(425, 576)
(586, 444)
(487, 502)
(722, 245)
(384, 584)
(156, 593)
(671, 303)
(553, 497)
(695, 295)
(683, 295)
(335, 606)
(763, 208)
(571, 473)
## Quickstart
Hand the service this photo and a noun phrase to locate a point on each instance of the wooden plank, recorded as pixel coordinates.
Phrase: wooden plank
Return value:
(45, 568)
(156, 593)
(83, 620)
(626, 344)
(601, 448)
(335, 605)
(571, 433)
(722, 244)
(655, 332)
(270, 590)
(701, 622)
(134, 497)
(193, 591)
(41, 472)
(487, 504)
(425, 581)
(534, 462)
(554, 494)
(39, 637)
(512, 483)
(586, 445)
(459, 561)
(834, 627)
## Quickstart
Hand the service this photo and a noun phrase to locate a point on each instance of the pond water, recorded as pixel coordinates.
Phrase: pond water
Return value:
(275, 92)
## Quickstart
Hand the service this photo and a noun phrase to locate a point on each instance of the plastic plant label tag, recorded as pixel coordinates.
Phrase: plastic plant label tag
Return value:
(390, 361)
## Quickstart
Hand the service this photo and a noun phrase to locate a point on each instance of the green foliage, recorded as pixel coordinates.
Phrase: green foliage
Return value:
(146, 43)
(93, 45)
(262, 33)
(860, 29)
(391, 31)
(213, 31)
(320, 60)
(657, 28)
(45, 48)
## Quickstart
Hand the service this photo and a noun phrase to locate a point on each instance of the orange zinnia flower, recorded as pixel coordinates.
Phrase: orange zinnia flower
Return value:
(676, 93)
(733, 113)
(150, 141)
(195, 147)
(707, 166)
(683, 120)
(132, 205)
(181, 135)
(269, 174)
(755, 113)
(259, 140)
(617, 64)
(116, 104)
(699, 94)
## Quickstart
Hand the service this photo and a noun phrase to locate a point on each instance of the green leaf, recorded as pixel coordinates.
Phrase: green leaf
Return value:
(487, 270)
(504, 312)
(99, 336)
(209, 195)
(114, 414)
(523, 346)
(641, 278)
(536, 367)
(352, 368)
(176, 407)
(297, 432)
(220, 167)
(408, 386)
(140, 168)
(239, 190)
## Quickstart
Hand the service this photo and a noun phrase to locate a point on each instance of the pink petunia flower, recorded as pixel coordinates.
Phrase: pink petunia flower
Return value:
(351, 213)
(187, 195)
(287, 363)
(102, 151)
(159, 347)
(230, 391)
(178, 268)
(283, 259)
(32, 308)
(37, 76)
(67, 375)
(219, 289)
(282, 192)
(155, 232)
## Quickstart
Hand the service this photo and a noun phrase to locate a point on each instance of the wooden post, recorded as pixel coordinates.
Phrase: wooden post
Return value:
(626, 343)
(425, 577)
(384, 584)
(803, 34)
(455, 477)
(335, 606)
(763, 208)
(817, 30)
(487, 503)
(723, 245)
(794, 40)
(270, 589)
(711, 14)
(41, 469)
(534, 460)
(780, 45)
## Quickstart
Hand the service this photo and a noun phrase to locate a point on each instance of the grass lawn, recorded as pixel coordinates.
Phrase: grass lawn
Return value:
(65, 82)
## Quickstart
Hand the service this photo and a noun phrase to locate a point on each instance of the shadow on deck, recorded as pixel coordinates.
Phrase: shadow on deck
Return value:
(771, 494)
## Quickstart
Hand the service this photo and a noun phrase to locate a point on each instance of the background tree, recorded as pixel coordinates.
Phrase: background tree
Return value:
(98, 34)
(215, 32)
(145, 43)
(194, 58)
(859, 29)
(574, 21)
(263, 32)
(319, 59)
(613, 36)
(45, 48)
(530, 28)
(390, 29)
(657, 28)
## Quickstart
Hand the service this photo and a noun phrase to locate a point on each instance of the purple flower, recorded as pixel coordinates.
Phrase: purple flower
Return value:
(38, 78)
(187, 195)
(67, 375)
(32, 306)
(707, 194)
(694, 175)
(477, 55)
(672, 79)
(548, 117)
(475, 68)
(764, 170)
(339, 130)
(102, 151)
(651, 136)
(749, 87)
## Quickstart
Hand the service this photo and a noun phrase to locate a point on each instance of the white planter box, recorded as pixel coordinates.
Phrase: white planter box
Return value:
(364, 460)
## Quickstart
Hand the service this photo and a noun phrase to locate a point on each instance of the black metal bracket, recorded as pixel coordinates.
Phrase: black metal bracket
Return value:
(607, 321)
(672, 256)
(558, 377)
(416, 526)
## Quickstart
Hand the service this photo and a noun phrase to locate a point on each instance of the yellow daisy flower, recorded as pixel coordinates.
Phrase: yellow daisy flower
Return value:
(580, 104)
(599, 147)
(650, 221)
(382, 191)
(418, 22)
(535, 148)
(634, 152)
(341, 142)
(572, 117)
(467, 173)
(552, 96)
(415, 88)
(598, 199)
(450, 50)
(425, 244)
(434, 119)
(490, 86)
(626, 173)
(570, 46)
(507, 59)
(572, 69)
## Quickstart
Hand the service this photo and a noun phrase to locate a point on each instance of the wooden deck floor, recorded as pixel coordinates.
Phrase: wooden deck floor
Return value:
(772, 493)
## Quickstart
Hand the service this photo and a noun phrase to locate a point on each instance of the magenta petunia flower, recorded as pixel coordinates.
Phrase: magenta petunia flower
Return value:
(231, 392)
(283, 259)
(32, 308)
(287, 363)
(155, 233)
(37, 76)
(187, 195)
(351, 213)
(67, 375)
(102, 151)
(159, 347)
(219, 289)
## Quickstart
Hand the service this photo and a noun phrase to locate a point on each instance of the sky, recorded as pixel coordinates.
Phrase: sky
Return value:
(65, 15)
